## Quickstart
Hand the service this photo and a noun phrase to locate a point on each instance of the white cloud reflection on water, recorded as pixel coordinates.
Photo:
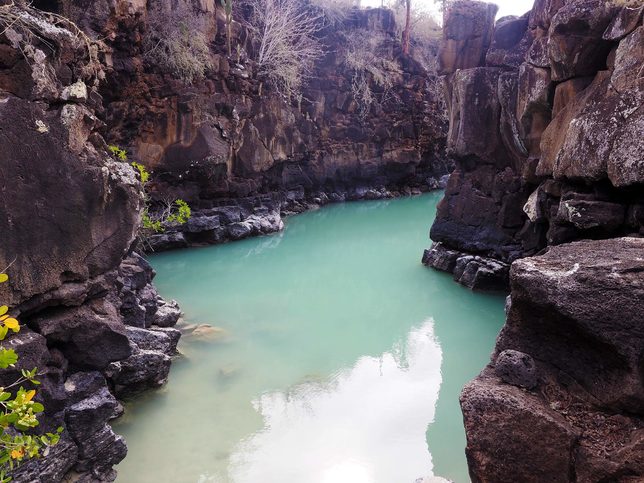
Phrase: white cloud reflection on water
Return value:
(366, 426)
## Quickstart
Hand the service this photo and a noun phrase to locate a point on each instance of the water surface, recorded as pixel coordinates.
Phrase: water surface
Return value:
(338, 357)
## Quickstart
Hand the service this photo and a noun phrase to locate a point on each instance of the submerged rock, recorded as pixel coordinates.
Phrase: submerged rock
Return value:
(205, 332)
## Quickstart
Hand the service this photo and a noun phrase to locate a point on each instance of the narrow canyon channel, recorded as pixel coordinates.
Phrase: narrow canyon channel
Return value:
(334, 356)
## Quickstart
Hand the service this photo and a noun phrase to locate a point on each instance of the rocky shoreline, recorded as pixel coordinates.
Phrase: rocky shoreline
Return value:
(237, 219)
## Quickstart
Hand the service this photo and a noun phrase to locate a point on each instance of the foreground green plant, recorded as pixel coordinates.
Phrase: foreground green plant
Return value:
(174, 212)
(18, 412)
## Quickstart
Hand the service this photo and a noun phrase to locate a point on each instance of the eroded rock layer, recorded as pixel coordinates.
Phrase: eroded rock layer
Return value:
(230, 140)
(545, 126)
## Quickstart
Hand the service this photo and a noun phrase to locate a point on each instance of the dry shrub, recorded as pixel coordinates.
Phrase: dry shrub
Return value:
(288, 46)
(176, 41)
(366, 58)
(26, 26)
(336, 11)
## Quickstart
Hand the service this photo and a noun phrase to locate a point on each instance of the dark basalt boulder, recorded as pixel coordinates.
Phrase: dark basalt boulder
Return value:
(90, 336)
(512, 436)
(516, 368)
(576, 46)
(574, 326)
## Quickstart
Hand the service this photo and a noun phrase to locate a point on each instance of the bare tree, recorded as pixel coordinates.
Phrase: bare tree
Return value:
(288, 47)
(370, 67)
(407, 30)
(228, 10)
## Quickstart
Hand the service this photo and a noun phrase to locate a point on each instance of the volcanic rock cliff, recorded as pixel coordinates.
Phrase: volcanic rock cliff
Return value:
(547, 129)
(546, 123)
(233, 147)
(93, 324)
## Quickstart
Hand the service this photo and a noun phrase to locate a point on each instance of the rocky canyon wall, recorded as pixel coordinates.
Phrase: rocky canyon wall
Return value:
(546, 123)
(230, 140)
(93, 323)
(547, 129)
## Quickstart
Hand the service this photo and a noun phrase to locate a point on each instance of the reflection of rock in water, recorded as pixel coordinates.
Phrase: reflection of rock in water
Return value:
(433, 479)
(349, 428)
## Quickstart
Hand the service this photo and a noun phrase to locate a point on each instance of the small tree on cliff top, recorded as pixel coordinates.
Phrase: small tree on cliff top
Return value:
(287, 44)
(18, 409)
(228, 10)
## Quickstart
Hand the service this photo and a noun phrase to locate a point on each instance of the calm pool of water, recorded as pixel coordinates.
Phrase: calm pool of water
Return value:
(338, 357)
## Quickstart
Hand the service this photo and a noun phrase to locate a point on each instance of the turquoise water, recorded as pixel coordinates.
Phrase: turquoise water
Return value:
(337, 358)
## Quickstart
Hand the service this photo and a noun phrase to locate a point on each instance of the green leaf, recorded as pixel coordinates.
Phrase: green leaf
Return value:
(37, 407)
(8, 357)
(4, 396)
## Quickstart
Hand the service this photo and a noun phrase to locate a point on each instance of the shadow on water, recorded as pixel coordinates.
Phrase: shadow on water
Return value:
(342, 359)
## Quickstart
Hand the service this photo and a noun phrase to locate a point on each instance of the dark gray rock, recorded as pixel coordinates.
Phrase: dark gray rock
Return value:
(166, 241)
(197, 224)
(516, 368)
(228, 214)
(90, 336)
(585, 215)
(440, 258)
(99, 452)
(142, 370)
(167, 314)
(52, 468)
(89, 415)
(537, 442)
(133, 312)
(587, 296)
(577, 311)
(240, 230)
(480, 273)
(160, 340)
(81, 385)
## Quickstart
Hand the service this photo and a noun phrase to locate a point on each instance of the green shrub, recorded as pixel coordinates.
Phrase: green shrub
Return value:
(167, 213)
(120, 154)
(18, 411)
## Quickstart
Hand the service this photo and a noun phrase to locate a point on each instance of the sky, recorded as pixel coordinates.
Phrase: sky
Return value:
(506, 7)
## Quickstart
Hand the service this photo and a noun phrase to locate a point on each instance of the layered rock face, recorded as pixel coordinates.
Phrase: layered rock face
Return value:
(546, 129)
(69, 215)
(563, 398)
(229, 140)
